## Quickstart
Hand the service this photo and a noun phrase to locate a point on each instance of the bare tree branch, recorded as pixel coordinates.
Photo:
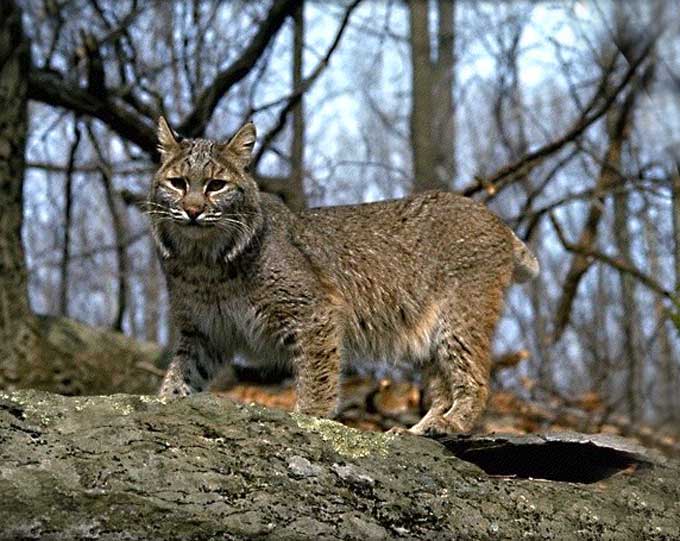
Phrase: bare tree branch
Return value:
(609, 177)
(52, 88)
(306, 84)
(49, 87)
(194, 125)
(592, 113)
(616, 263)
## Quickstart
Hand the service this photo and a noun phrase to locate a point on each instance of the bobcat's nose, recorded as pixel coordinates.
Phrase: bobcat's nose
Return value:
(193, 211)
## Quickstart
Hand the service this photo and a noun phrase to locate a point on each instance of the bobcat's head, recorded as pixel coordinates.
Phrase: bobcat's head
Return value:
(202, 197)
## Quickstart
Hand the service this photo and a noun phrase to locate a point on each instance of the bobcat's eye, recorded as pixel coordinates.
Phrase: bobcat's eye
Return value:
(179, 183)
(215, 185)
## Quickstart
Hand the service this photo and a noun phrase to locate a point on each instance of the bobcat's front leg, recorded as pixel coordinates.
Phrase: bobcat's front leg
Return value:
(316, 358)
(192, 368)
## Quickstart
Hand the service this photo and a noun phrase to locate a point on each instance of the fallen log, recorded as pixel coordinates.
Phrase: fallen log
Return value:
(133, 467)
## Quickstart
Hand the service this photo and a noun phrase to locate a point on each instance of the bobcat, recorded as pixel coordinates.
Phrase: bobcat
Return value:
(419, 279)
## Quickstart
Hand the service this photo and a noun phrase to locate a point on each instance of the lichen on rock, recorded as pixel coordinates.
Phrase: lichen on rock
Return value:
(130, 467)
(346, 441)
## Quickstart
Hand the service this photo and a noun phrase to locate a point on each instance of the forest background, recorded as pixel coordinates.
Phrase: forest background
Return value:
(562, 116)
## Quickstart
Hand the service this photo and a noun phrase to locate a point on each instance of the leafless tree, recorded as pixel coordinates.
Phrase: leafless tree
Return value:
(563, 120)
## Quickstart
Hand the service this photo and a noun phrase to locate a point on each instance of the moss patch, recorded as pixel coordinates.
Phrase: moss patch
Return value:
(346, 441)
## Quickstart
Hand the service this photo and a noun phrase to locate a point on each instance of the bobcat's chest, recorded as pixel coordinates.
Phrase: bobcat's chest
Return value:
(227, 322)
(219, 305)
(235, 328)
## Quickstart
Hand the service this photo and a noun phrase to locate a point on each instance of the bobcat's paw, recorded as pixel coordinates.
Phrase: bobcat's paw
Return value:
(400, 431)
(170, 392)
(439, 425)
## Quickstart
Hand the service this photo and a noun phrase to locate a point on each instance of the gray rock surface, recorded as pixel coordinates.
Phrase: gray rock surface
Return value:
(132, 467)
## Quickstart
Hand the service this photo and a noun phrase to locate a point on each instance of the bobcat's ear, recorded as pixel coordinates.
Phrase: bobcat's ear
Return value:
(167, 140)
(240, 146)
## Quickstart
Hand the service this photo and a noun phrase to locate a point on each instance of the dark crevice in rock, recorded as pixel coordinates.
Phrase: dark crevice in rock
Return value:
(26, 430)
(14, 410)
(574, 460)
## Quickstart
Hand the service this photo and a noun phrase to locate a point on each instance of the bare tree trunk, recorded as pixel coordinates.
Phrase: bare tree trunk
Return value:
(629, 319)
(14, 305)
(676, 225)
(667, 358)
(443, 106)
(117, 211)
(422, 83)
(68, 218)
(297, 152)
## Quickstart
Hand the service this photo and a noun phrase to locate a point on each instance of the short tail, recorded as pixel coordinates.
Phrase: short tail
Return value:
(526, 265)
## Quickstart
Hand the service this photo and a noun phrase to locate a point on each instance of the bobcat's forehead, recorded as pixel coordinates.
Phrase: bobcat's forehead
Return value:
(199, 158)
(199, 153)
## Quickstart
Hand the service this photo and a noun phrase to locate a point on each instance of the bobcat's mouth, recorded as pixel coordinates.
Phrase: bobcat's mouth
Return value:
(197, 222)
(199, 234)
(194, 230)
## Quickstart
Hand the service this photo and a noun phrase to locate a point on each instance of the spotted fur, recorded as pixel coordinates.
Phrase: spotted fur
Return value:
(419, 279)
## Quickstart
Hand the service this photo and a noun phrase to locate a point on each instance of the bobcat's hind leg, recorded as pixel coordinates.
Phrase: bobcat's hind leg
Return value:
(458, 377)
(437, 386)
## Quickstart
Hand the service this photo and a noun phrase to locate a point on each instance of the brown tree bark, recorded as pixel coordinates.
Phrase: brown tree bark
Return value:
(297, 150)
(444, 108)
(422, 84)
(14, 305)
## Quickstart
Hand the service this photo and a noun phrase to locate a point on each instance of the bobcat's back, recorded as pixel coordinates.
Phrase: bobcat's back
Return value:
(428, 239)
(394, 267)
